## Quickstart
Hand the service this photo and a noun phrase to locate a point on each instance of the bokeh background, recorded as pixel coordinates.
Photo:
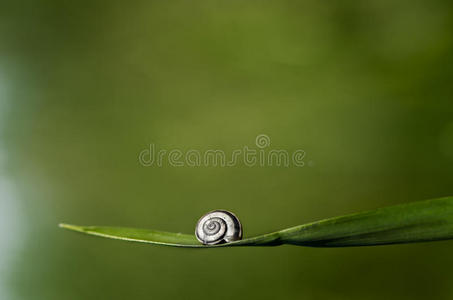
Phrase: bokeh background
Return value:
(364, 87)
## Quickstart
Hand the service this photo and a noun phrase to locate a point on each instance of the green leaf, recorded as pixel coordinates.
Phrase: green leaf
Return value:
(422, 221)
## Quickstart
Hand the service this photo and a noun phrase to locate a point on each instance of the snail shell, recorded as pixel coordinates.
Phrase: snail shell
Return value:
(218, 227)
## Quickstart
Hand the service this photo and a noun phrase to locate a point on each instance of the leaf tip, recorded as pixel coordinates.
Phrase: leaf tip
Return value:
(71, 227)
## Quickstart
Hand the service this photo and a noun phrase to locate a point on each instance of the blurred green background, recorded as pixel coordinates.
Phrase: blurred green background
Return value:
(364, 87)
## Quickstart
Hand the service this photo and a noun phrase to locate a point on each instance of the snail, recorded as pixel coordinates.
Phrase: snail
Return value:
(218, 227)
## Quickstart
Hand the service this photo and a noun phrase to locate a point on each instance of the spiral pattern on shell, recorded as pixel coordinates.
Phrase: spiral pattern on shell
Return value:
(218, 227)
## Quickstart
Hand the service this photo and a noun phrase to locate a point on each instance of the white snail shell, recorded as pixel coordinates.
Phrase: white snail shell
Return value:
(218, 227)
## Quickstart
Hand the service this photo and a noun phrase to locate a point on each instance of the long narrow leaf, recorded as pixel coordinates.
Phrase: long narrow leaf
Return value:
(422, 221)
